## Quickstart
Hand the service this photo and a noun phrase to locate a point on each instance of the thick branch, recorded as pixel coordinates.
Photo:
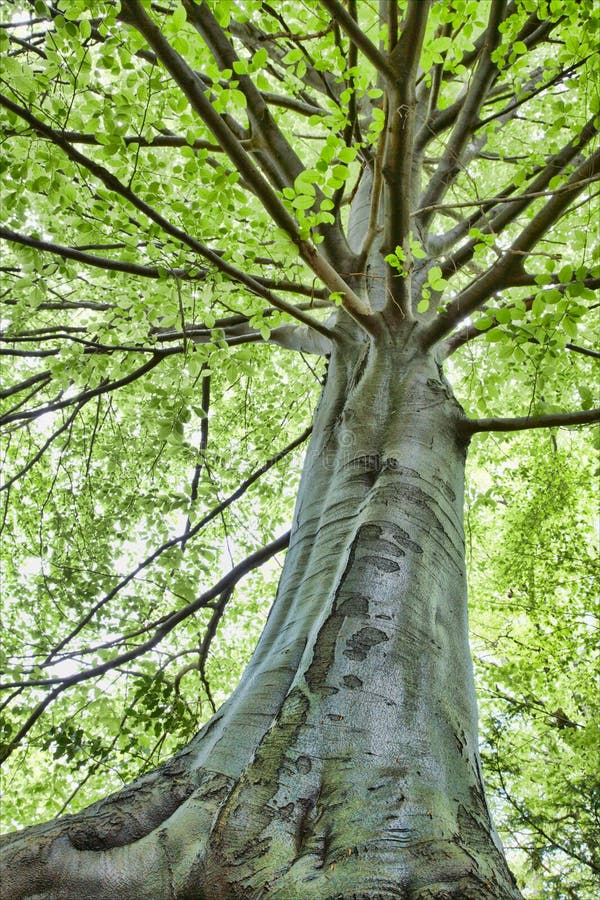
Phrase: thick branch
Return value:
(29, 465)
(470, 332)
(554, 209)
(532, 89)
(482, 80)
(267, 138)
(359, 38)
(103, 262)
(272, 141)
(23, 385)
(254, 39)
(397, 167)
(99, 262)
(84, 396)
(441, 119)
(159, 140)
(522, 423)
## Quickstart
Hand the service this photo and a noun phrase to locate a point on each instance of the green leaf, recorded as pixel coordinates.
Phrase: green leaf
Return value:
(495, 334)
(565, 274)
(538, 305)
(293, 56)
(503, 316)
(435, 279)
(303, 201)
(178, 17)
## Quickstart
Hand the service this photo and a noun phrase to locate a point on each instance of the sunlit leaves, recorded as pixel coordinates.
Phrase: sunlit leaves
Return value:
(534, 635)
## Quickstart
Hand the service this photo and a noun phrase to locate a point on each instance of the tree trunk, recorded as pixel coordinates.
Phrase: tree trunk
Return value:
(345, 765)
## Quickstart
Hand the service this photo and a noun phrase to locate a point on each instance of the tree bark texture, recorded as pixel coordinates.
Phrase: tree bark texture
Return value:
(345, 764)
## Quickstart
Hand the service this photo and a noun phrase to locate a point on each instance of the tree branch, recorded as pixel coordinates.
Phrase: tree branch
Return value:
(272, 141)
(103, 262)
(29, 465)
(254, 39)
(23, 385)
(185, 537)
(509, 207)
(587, 172)
(205, 401)
(522, 423)
(585, 351)
(159, 140)
(84, 396)
(532, 89)
(267, 137)
(470, 332)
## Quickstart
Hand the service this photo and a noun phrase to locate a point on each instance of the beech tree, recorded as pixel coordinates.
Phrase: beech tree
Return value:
(213, 211)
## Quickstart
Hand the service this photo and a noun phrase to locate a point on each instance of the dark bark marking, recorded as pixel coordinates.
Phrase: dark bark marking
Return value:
(474, 826)
(376, 531)
(404, 836)
(366, 467)
(359, 369)
(358, 646)
(447, 490)
(327, 690)
(287, 811)
(326, 843)
(351, 681)
(381, 563)
(394, 465)
(253, 851)
(304, 825)
(323, 654)
(371, 531)
(324, 649)
(387, 547)
(354, 605)
(403, 538)
(391, 894)
(303, 765)
(418, 497)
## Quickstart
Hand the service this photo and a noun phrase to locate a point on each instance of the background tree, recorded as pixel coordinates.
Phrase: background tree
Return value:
(190, 191)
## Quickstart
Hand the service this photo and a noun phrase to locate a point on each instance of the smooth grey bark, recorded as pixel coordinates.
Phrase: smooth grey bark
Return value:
(345, 764)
